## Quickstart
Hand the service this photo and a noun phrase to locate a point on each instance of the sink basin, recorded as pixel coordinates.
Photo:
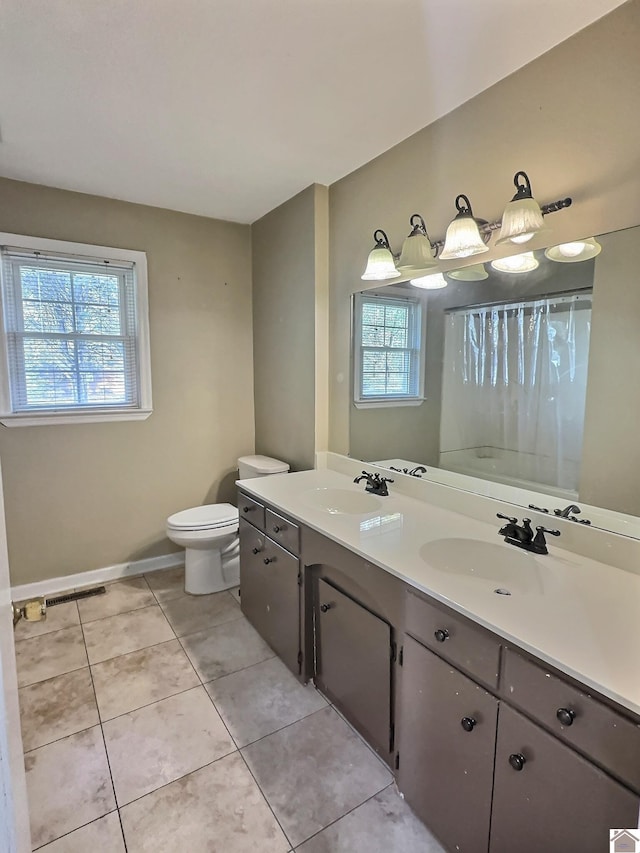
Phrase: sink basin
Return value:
(485, 563)
(341, 501)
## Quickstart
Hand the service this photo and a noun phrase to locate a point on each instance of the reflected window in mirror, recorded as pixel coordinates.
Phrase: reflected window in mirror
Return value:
(388, 349)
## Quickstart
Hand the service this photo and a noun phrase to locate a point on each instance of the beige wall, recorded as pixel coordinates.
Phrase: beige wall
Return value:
(611, 453)
(571, 119)
(289, 299)
(80, 497)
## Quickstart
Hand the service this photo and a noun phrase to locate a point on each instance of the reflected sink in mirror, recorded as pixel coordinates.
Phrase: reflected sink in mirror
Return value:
(341, 501)
(492, 565)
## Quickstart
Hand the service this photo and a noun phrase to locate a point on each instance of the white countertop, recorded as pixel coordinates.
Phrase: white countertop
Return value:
(577, 614)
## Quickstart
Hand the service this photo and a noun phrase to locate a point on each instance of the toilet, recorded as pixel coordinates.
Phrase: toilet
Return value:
(209, 534)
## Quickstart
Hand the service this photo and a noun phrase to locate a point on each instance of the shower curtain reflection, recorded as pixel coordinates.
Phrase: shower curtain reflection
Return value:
(514, 389)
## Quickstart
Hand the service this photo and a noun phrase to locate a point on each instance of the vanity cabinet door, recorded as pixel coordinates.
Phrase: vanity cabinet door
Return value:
(547, 797)
(353, 664)
(447, 731)
(270, 593)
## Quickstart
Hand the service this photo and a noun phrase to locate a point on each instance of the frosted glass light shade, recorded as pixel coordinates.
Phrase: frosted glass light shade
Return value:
(475, 272)
(417, 254)
(463, 239)
(572, 253)
(522, 219)
(435, 281)
(380, 265)
(526, 262)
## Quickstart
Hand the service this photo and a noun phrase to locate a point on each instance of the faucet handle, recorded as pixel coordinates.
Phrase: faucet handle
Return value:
(507, 518)
(546, 530)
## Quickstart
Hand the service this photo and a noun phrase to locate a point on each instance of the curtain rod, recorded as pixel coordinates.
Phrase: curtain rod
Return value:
(559, 296)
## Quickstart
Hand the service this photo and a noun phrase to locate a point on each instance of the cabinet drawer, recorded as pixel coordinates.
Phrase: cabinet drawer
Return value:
(454, 638)
(609, 738)
(283, 531)
(251, 510)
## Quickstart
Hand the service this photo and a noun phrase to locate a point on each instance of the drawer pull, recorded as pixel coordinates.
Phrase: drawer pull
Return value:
(276, 528)
(566, 716)
(517, 760)
(247, 508)
(467, 723)
(256, 550)
(268, 560)
(325, 607)
(441, 635)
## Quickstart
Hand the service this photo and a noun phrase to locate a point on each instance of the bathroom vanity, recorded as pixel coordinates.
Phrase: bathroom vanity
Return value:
(497, 685)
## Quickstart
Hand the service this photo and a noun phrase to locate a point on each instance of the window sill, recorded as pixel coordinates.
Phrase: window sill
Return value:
(387, 404)
(79, 417)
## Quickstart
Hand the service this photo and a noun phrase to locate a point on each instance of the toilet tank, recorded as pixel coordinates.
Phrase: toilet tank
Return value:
(260, 466)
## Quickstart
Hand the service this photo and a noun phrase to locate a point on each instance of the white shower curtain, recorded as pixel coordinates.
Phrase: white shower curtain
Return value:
(514, 389)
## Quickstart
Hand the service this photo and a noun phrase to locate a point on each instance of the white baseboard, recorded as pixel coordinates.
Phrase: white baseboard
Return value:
(97, 576)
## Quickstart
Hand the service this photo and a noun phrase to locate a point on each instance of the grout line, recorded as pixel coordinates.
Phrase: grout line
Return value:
(71, 831)
(47, 633)
(211, 627)
(282, 728)
(361, 738)
(266, 799)
(124, 613)
(104, 742)
(51, 677)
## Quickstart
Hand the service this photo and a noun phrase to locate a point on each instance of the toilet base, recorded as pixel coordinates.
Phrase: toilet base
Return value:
(207, 571)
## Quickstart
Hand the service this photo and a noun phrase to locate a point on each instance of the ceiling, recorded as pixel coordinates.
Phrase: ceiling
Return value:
(226, 108)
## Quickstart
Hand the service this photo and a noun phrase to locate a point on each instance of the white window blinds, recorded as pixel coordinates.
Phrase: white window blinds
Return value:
(70, 331)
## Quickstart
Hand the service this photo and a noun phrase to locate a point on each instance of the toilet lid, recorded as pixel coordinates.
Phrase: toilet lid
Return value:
(200, 517)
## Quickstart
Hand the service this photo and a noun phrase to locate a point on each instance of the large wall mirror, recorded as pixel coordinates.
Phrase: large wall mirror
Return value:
(522, 378)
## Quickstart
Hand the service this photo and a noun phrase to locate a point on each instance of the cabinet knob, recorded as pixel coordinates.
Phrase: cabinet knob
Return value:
(247, 508)
(256, 550)
(276, 528)
(325, 607)
(517, 760)
(566, 716)
(268, 560)
(441, 635)
(467, 723)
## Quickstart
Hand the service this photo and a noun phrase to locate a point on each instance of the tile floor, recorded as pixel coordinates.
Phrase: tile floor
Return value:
(155, 721)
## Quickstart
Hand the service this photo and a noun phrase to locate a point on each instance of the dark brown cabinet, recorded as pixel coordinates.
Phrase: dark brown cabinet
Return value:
(547, 797)
(270, 593)
(447, 730)
(354, 664)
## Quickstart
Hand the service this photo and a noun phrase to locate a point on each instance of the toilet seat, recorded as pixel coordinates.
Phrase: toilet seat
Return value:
(208, 517)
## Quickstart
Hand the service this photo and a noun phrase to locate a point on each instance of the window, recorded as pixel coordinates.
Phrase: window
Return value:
(388, 352)
(75, 333)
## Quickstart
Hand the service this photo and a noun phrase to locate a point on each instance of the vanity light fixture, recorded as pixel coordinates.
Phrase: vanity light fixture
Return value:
(522, 218)
(433, 281)
(475, 272)
(380, 264)
(572, 253)
(417, 249)
(525, 262)
(463, 237)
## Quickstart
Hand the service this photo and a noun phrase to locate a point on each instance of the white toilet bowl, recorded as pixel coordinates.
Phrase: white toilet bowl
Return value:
(209, 535)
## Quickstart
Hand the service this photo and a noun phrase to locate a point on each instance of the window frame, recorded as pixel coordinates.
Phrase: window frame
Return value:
(81, 414)
(394, 294)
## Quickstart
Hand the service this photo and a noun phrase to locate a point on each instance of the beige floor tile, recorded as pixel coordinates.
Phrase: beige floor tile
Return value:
(225, 649)
(130, 681)
(218, 809)
(101, 836)
(383, 823)
(49, 655)
(68, 785)
(127, 632)
(121, 597)
(162, 742)
(59, 616)
(314, 772)
(60, 706)
(167, 584)
(192, 613)
(261, 699)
